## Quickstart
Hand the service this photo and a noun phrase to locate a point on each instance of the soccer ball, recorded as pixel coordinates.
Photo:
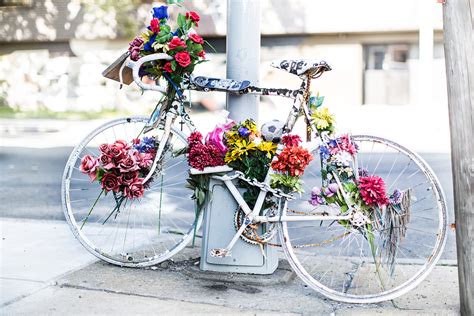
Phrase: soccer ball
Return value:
(272, 131)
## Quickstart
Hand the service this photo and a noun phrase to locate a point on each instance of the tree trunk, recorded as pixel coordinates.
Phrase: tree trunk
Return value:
(459, 51)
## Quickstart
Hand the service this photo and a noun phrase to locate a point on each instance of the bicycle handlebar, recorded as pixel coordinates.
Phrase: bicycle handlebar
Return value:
(135, 65)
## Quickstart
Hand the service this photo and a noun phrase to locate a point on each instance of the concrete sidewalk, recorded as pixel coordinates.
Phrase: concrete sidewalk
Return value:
(44, 270)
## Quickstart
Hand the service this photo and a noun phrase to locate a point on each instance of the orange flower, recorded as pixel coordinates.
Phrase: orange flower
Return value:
(292, 160)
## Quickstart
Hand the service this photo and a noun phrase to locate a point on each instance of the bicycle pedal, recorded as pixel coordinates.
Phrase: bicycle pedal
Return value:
(220, 253)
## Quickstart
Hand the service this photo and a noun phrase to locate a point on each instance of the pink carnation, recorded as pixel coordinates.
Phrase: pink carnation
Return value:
(89, 165)
(291, 140)
(372, 190)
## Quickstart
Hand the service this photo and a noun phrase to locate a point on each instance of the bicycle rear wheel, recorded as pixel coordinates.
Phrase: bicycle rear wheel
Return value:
(147, 230)
(337, 260)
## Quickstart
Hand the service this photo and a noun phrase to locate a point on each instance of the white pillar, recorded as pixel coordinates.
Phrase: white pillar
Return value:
(243, 54)
(426, 46)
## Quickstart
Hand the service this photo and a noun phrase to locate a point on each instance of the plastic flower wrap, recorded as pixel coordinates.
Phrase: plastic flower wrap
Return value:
(183, 44)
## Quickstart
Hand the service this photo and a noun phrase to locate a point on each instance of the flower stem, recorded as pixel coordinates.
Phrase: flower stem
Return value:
(90, 211)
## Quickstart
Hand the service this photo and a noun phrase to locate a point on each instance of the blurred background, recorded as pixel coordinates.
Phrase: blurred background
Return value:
(388, 79)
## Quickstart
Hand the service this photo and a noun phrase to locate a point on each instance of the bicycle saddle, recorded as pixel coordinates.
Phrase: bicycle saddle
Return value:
(300, 67)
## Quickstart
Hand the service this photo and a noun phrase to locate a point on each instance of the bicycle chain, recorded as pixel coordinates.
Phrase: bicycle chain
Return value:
(264, 187)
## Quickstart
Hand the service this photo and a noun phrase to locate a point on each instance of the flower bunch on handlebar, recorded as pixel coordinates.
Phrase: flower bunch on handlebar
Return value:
(183, 44)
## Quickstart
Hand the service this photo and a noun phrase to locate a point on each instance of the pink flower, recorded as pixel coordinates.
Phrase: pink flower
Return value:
(116, 153)
(110, 182)
(202, 54)
(291, 140)
(144, 160)
(372, 190)
(135, 53)
(128, 164)
(167, 67)
(183, 59)
(135, 189)
(105, 148)
(155, 25)
(196, 38)
(193, 16)
(121, 144)
(106, 161)
(89, 165)
(346, 144)
(176, 42)
(128, 178)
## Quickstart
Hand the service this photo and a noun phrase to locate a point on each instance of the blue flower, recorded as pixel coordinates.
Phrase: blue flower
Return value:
(243, 131)
(148, 44)
(324, 152)
(333, 143)
(161, 12)
(175, 33)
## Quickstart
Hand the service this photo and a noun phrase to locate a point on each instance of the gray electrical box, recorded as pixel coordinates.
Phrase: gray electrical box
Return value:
(218, 231)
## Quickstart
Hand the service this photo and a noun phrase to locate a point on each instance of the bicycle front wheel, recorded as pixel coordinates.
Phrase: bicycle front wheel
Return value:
(145, 231)
(339, 261)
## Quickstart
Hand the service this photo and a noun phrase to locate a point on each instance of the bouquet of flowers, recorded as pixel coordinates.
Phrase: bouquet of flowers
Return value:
(121, 167)
(183, 44)
(290, 165)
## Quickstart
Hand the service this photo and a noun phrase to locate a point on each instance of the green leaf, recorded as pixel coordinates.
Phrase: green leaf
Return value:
(181, 20)
(173, 65)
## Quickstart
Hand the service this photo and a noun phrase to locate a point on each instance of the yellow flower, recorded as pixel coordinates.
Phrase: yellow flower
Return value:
(231, 137)
(239, 149)
(251, 126)
(323, 119)
(268, 147)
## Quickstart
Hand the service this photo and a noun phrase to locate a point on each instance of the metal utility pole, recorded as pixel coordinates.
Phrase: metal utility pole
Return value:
(243, 54)
(459, 52)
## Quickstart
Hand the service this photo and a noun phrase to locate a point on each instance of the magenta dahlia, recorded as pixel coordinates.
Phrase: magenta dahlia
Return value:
(372, 190)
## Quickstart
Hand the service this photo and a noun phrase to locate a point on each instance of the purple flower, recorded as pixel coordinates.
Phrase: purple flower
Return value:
(324, 152)
(396, 197)
(316, 200)
(363, 172)
(161, 12)
(331, 189)
(243, 131)
(316, 191)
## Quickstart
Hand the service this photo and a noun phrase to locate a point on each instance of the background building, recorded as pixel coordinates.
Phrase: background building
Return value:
(387, 56)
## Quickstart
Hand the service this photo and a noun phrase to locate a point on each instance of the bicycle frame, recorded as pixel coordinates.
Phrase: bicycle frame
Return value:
(300, 105)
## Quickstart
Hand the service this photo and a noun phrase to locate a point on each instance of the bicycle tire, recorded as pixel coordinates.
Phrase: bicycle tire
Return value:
(349, 273)
(147, 231)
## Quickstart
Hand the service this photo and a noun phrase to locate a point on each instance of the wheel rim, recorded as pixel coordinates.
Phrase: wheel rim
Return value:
(340, 272)
(146, 231)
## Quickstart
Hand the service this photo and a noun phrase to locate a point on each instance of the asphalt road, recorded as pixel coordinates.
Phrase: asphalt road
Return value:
(31, 181)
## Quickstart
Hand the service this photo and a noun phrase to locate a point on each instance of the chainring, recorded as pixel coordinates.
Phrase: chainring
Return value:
(254, 234)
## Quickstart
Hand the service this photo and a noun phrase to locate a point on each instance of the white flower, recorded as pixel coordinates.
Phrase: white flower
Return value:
(344, 158)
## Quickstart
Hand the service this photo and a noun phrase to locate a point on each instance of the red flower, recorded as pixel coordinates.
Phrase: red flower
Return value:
(128, 178)
(106, 162)
(196, 38)
(292, 160)
(110, 182)
(128, 164)
(155, 25)
(372, 190)
(193, 16)
(291, 140)
(176, 42)
(134, 190)
(194, 137)
(89, 165)
(201, 156)
(183, 59)
(167, 67)
(202, 54)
